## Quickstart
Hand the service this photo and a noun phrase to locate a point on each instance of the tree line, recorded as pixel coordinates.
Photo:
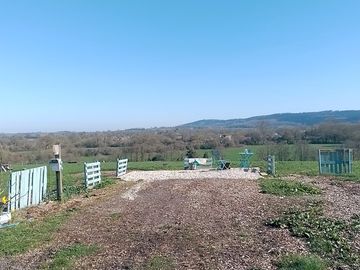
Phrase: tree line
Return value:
(287, 143)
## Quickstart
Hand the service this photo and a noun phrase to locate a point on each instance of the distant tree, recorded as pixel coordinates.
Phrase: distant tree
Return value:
(158, 157)
(303, 151)
(190, 153)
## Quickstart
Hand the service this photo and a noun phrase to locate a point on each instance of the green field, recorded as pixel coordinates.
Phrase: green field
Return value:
(73, 177)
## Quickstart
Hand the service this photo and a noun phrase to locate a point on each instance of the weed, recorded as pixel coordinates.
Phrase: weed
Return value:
(301, 262)
(65, 257)
(160, 263)
(355, 223)
(116, 216)
(104, 183)
(287, 188)
(329, 238)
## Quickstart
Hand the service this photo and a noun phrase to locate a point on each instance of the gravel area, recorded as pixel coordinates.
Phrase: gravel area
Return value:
(202, 224)
(341, 198)
(215, 222)
(235, 173)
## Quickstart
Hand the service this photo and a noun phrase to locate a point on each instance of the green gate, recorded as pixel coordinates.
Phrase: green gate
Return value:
(336, 161)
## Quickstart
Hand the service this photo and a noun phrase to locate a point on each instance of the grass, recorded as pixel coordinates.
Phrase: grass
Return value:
(105, 182)
(287, 188)
(73, 172)
(116, 216)
(28, 235)
(309, 168)
(160, 263)
(156, 165)
(261, 151)
(301, 262)
(327, 237)
(65, 257)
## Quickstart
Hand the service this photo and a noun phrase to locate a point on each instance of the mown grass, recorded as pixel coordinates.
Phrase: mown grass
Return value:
(301, 262)
(65, 257)
(329, 238)
(287, 187)
(261, 151)
(156, 165)
(308, 168)
(30, 234)
(73, 172)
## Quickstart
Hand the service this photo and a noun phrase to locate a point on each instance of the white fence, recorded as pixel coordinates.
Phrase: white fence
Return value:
(27, 188)
(92, 174)
(122, 165)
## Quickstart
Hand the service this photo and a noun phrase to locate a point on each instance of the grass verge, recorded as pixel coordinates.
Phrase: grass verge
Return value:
(28, 235)
(287, 188)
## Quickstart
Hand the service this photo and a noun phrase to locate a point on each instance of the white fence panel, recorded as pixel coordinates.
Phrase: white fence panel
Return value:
(122, 165)
(27, 188)
(92, 174)
(195, 162)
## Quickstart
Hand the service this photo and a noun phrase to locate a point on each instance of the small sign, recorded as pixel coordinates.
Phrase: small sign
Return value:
(56, 165)
(56, 149)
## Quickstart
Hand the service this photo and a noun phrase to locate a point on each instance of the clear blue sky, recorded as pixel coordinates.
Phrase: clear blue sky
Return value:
(107, 65)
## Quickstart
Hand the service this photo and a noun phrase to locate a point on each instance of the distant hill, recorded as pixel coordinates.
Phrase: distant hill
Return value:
(281, 120)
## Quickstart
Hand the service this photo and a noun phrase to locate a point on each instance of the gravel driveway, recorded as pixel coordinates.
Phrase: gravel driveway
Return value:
(235, 173)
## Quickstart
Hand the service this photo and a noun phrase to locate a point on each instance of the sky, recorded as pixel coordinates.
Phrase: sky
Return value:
(95, 65)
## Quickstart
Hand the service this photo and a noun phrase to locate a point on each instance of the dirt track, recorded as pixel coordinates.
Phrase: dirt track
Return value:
(202, 224)
(206, 224)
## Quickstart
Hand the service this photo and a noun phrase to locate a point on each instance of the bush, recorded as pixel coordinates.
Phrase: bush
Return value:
(157, 157)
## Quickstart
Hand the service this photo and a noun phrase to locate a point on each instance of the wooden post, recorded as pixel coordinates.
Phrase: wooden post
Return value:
(320, 162)
(59, 185)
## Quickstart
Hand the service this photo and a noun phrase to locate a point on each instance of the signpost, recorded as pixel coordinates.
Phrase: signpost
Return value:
(56, 166)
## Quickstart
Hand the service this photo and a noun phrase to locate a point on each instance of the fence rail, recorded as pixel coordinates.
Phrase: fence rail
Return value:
(92, 174)
(27, 188)
(122, 165)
